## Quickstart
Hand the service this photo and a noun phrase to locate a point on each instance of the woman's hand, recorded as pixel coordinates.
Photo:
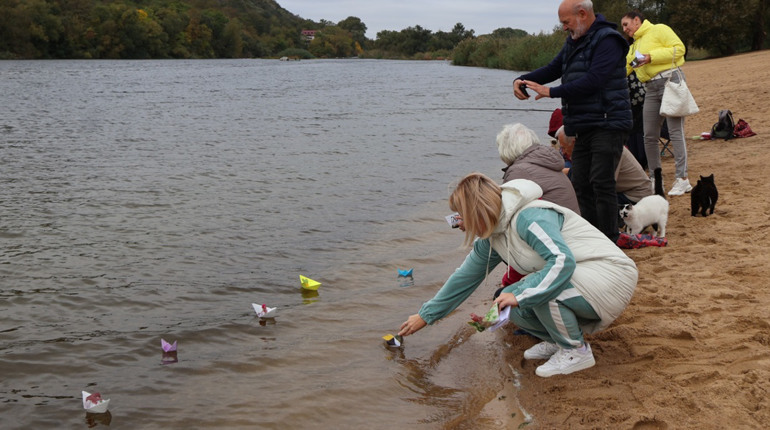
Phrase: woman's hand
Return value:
(506, 299)
(412, 325)
(460, 222)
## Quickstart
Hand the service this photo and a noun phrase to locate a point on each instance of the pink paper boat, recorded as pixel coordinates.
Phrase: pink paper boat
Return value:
(94, 403)
(167, 347)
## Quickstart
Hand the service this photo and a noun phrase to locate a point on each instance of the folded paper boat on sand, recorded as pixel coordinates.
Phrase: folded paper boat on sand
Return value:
(263, 311)
(308, 283)
(94, 403)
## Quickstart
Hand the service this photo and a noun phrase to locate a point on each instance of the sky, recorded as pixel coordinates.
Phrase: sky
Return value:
(482, 16)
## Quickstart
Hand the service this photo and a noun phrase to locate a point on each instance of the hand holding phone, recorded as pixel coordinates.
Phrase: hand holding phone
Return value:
(523, 88)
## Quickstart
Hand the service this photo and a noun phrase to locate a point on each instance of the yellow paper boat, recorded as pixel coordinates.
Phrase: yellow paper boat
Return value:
(308, 283)
(394, 341)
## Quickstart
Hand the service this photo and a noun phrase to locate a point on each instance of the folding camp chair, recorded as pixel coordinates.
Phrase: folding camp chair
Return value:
(665, 139)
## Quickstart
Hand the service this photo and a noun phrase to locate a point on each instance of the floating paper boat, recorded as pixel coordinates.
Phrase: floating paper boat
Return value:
(94, 403)
(167, 347)
(393, 341)
(308, 283)
(263, 311)
(405, 273)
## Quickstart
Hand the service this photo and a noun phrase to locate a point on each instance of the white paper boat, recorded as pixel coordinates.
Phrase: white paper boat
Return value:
(263, 311)
(503, 319)
(100, 405)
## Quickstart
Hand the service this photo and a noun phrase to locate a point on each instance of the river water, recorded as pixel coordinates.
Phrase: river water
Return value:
(142, 200)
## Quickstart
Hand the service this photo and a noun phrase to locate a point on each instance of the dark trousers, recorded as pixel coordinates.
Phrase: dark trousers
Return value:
(594, 159)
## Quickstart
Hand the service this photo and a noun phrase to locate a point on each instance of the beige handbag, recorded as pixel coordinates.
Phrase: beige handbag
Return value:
(677, 100)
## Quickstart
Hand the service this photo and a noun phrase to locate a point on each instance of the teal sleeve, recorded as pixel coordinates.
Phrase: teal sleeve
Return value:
(541, 229)
(462, 283)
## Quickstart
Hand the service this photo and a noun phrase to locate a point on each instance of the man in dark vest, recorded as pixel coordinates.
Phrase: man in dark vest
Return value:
(595, 105)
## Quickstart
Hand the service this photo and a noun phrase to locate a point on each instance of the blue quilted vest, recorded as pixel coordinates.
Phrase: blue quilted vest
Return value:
(610, 107)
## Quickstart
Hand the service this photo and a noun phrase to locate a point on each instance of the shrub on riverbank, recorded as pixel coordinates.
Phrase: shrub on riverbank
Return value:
(511, 53)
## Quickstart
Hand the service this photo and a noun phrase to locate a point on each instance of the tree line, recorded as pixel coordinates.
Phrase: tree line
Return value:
(708, 28)
(125, 29)
(129, 29)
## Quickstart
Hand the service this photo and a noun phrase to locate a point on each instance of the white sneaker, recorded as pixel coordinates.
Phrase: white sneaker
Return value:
(566, 361)
(680, 187)
(541, 351)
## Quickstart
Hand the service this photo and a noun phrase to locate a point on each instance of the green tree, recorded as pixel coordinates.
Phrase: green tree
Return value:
(198, 37)
(441, 40)
(216, 21)
(759, 24)
(174, 21)
(459, 33)
(414, 39)
(232, 40)
(509, 33)
(714, 25)
(356, 28)
(332, 42)
(31, 28)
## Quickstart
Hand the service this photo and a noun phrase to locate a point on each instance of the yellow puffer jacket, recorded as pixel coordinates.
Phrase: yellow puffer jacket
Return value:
(659, 41)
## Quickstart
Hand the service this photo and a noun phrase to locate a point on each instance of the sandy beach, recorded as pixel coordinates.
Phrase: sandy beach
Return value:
(692, 350)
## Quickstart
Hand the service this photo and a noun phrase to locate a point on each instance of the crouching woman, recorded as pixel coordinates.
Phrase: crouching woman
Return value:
(577, 280)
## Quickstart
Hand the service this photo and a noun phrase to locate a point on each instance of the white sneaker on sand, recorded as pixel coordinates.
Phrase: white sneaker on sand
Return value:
(566, 361)
(680, 187)
(541, 351)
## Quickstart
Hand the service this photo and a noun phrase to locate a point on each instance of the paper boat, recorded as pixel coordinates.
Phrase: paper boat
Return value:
(263, 311)
(308, 283)
(492, 320)
(405, 273)
(393, 341)
(167, 347)
(94, 403)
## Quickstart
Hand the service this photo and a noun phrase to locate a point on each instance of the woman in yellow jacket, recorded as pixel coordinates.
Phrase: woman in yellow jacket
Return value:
(654, 55)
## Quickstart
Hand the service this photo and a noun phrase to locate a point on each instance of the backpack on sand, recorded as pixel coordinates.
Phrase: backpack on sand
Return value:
(723, 129)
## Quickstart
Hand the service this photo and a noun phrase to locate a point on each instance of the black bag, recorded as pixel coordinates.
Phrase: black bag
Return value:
(723, 129)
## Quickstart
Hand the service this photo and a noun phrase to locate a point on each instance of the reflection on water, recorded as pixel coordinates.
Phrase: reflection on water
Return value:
(142, 199)
(94, 420)
(309, 296)
(169, 357)
(405, 281)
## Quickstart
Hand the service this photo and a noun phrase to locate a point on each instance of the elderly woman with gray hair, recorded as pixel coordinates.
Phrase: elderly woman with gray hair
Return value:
(526, 158)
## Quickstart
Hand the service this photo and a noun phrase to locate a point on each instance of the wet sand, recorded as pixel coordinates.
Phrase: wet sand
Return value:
(692, 350)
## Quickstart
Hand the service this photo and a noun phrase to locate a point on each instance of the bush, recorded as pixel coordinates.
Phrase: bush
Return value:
(295, 53)
(509, 53)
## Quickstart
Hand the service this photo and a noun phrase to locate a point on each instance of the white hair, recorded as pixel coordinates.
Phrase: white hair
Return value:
(513, 140)
(586, 5)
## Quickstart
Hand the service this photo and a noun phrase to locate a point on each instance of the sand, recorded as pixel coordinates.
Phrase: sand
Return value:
(692, 350)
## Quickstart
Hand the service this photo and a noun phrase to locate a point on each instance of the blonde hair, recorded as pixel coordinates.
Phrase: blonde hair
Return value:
(513, 140)
(478, 199)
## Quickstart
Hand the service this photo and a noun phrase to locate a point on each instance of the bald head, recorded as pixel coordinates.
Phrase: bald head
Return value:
(576, 17)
